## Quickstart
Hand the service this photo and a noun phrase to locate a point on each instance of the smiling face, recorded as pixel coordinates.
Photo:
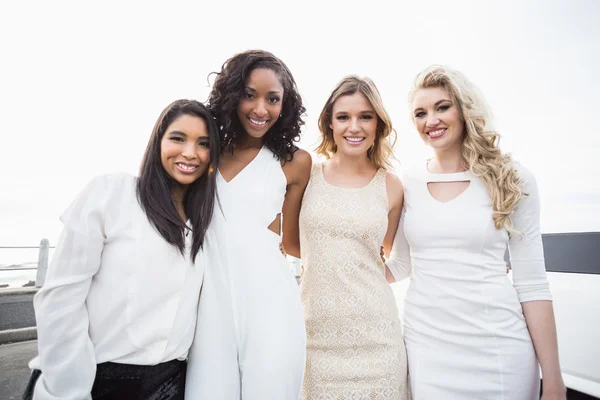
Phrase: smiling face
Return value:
(184, 149)
(354, 124)
(437, 118)
(261, 103)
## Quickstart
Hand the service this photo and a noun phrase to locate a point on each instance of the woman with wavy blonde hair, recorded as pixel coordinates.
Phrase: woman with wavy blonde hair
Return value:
(470, 333)
(351, 208)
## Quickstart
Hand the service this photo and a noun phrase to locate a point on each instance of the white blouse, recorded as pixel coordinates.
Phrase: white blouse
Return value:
(115, 291)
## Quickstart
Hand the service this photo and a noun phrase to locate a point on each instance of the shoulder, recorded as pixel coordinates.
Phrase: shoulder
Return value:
(530, 197)
(411, 173)
(527, 210)
(115, 183)
(527, 181)
(394, 189)
(525, 175)
(302, 159)
(102, 183)
(393, 182)
(100, 192)
(118, 179)
(298, 169)
(108, 186)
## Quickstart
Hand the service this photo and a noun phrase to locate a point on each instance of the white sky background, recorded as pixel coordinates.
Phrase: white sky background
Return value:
(82, 83)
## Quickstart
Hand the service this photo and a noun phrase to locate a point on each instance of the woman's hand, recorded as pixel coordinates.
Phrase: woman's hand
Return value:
(555, 395)
(552, 390)
(282, 249)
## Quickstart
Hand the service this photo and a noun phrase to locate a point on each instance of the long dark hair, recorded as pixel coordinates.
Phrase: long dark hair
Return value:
(154, 185)
(228, 89)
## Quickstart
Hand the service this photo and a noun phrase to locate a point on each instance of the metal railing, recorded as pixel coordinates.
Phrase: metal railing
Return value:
(42, 264)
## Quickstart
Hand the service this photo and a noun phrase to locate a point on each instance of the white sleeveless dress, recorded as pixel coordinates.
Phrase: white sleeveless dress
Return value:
(250, 340)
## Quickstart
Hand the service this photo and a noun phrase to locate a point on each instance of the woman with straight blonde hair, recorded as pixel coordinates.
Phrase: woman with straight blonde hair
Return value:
(470, 333)
(350, 209)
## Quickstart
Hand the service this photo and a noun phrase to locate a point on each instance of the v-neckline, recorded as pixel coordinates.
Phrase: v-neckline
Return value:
(242, 170)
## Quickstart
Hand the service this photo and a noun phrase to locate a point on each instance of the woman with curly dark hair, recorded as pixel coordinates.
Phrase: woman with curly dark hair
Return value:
(250, 338)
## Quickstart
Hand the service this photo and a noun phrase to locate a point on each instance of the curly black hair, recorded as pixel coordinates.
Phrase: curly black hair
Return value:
(228, 90)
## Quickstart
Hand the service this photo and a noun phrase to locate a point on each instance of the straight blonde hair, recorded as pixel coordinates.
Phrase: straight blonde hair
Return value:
(380, 153)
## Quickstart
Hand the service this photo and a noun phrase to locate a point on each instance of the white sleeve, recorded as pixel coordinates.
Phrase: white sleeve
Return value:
(525, 249)
(66, 353)
(399, 262)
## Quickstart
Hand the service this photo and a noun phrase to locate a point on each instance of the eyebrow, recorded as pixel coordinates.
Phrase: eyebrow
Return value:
(360, 112)
(437, 103)
(371, 113)
(183, 134)
(270, 92)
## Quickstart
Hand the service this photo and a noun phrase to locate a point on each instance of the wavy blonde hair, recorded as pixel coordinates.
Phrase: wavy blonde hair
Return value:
(381, 152)
(480, 152)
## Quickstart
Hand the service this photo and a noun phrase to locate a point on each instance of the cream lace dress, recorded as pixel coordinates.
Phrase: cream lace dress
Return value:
(355, 348)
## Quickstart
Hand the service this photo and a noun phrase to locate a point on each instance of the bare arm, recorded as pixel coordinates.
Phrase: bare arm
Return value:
(395, 195)
(542, 328)
(297, 173)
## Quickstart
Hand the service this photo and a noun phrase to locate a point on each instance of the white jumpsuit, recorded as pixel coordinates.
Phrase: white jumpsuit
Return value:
(250, 340)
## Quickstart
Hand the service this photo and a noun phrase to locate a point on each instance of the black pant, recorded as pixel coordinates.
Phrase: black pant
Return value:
(165, 381)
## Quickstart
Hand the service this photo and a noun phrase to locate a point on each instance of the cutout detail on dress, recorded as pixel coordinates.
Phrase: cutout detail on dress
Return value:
(275, 226)
(445, 192)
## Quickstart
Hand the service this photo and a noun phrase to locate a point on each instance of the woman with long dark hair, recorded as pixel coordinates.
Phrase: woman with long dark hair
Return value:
(250, 338)
(117, 313)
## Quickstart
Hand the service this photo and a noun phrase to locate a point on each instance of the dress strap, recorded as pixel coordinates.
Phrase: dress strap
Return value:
(380, 177)
(316, 171)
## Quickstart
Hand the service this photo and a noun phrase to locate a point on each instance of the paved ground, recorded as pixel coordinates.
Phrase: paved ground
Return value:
(16, 311)
(14, 372)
